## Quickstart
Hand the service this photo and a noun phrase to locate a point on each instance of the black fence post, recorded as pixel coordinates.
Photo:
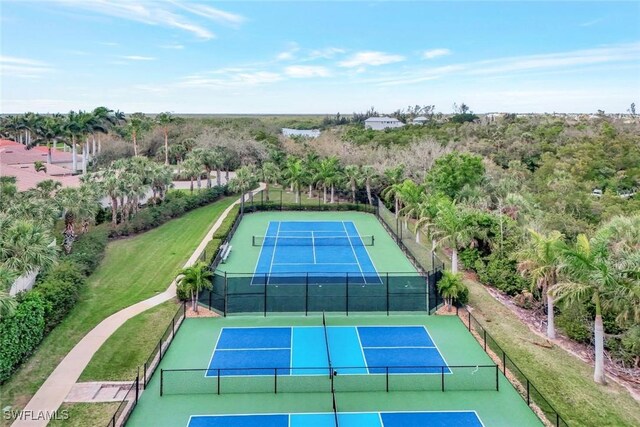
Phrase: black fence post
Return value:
(160, 347)
(469, 317)
(497, 378)
(218, 381)
(137, 387)
(504, 363)
(442, 377)
(484, 334)
(387, 294)
(173, 328)
(387, 377)
(161, 381)
(528, 395)
(226, 290)
(266, 279)
(306, 294)
(275, 381)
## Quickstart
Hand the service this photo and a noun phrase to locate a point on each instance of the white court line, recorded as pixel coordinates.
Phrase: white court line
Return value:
(252, 348)
(255, 269)
(318, 263)
(354, 252)
(369, 255)
(273, 255)
(364, 358)
(400, 347)
(313, 246)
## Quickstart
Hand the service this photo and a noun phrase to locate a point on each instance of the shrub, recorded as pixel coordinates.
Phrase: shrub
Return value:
(59, 298)
(88, 250)
(500, 273)
(21, 333)
(468, 257)
(65, 271)
(574, 321)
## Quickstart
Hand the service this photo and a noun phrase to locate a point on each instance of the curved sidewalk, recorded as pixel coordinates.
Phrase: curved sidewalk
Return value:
(52, 393)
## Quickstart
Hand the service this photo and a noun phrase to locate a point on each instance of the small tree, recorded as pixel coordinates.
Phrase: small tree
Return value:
(451, 287)
(194, 280)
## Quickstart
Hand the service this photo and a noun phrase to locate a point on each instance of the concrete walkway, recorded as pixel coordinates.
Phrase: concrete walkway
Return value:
(56, 388)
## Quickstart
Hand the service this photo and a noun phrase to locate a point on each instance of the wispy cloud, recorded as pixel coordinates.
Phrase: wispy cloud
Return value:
(166, 14)
(138, 58)
(372, 58)
(306, 71)
(229, 79)
(592, 22)
(212, 13)
(518, 64)
(326, 53)
(11, 66)
(175, 46)
(289, 53)
(435, 53)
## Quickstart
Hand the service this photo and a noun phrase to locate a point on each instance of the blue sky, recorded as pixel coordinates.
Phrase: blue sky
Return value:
(318, 57)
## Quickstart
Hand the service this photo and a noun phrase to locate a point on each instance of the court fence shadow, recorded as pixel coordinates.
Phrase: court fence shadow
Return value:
(388, 292)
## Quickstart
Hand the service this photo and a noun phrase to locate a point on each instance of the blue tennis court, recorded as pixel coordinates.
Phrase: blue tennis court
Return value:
(303, 351)
(353, 419)
(294, 252)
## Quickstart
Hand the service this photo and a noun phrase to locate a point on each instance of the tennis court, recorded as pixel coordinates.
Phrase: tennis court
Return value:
(317, 350)
(356, 419)
(321, 251)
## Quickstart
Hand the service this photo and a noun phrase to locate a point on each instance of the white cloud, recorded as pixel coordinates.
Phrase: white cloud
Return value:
(325, 53)
(374, 58)
(289, 53)
(213, 14)
(306, 71)
(138, 58)
(156, 13)
(435, 53)
(11, 66)
(230, 79)
(175, 46)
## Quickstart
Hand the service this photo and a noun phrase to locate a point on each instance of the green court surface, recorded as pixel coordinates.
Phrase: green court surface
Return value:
(194, 344)
(385, 254)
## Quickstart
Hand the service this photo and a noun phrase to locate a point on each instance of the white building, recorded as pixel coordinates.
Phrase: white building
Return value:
(420, 120)
(381, 123)
(307, 133)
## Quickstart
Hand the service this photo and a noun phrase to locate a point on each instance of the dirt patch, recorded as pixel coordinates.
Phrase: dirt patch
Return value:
(202, 312)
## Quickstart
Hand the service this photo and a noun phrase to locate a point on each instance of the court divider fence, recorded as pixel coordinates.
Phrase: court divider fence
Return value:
(323, 380)
(130, 400)
(234, 293)
(534, 398)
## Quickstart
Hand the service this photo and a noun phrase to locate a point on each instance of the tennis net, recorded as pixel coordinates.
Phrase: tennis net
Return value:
(313, 240)
(335, 408)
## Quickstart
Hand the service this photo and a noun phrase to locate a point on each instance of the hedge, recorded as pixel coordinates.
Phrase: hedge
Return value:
(21, 333)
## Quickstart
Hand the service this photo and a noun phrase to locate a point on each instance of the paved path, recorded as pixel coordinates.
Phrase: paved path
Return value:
(55, 389)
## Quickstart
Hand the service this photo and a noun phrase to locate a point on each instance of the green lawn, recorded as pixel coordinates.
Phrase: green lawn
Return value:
(133, 269)
(85, 414)
(120, 356)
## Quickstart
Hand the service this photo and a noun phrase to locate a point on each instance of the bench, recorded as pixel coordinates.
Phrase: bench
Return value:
(225, 250)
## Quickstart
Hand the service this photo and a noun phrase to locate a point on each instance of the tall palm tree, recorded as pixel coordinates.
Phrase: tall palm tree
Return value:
(394, 177)
(453, 228)
(540, 261)
(48, 131)
(310, 164)
(293, 174)
(270, 175)
(605, 271)
(450, 287)
(164, 120)
(410, 195)
(137, 124)
(74, 129)
(353, 177)
(111, 187)
(194, 280)
(369, 175)
(192, 168)
(78, 205)
(245, 180)
(326, 175)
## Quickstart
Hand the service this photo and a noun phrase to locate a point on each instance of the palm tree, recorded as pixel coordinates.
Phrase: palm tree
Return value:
(368, 176)
(452, 227)
(7, 304)
(48, 131)
(164, 120)
(194, 280)
(245, 180)
(47, 188)
(137, 124)
(540, 260)
(39, 166)
(192, 168)
(293, 174)
(394, 177)
(74, 128)
(326, 175)
(605, 271)
(25, 246)
(310, 165)
(270, 175)
(78, 205)
(353, 177)
(450, 287)
(410, 195)
(111, 187)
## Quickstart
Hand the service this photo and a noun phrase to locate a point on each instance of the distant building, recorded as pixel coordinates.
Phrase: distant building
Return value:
(307, 133)
(420, 120)
(381, 123)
